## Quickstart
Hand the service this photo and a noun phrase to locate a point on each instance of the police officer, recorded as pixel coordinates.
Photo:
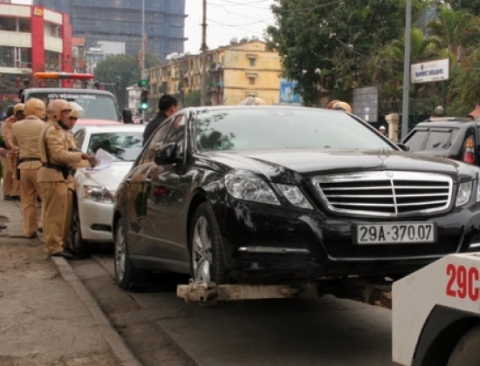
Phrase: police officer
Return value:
(342, 106)
(54, 176)
(25, 135)
(11, 186)
(72, 146)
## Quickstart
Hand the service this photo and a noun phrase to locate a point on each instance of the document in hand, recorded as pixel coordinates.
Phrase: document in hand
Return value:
(104, 160)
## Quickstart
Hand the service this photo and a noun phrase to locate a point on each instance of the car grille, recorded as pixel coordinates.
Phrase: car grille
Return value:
(385, 193)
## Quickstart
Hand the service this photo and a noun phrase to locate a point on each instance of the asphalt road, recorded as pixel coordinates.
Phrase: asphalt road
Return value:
(326, 331)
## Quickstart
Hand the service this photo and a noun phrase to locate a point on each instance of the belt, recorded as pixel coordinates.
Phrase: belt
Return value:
(29, 159)
(60, 168)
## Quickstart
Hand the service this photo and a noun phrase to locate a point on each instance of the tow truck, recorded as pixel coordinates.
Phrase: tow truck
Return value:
(436, 314)
(96, 104)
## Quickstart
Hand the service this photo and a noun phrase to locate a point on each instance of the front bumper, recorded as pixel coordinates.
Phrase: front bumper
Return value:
(277, 242)
(95, 220)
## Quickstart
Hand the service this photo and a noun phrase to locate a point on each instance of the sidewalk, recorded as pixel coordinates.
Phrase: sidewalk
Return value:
(47, 317)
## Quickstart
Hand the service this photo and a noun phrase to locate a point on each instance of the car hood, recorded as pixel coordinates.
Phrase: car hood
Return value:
(275, 163)
(109, 178)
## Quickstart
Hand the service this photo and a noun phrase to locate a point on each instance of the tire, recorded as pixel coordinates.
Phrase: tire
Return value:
(467, 351)
(206, 249)
(77, 243)
(126, 274)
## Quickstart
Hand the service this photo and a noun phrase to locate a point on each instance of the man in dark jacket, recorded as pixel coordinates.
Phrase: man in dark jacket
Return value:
(167, 105)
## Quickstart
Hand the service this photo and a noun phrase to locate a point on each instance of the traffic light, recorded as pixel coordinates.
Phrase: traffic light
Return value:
(144, 100)
(142, 83)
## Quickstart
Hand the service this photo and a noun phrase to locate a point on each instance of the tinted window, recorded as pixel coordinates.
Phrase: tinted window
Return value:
(438, 140)
(177, 133)
(156, 142)
(282, 128)
(417, 140)
(123, 145)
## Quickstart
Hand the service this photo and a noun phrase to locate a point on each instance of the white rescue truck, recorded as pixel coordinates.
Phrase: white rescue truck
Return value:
(436, 314)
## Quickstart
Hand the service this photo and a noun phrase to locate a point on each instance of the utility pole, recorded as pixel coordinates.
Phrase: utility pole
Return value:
(203, 90)
(143, 51)
(406, 70)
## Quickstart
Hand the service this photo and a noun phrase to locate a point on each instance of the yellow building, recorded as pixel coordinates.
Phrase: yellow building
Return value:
(233, 73)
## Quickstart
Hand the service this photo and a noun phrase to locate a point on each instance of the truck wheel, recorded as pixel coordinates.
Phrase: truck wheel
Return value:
(467, 351)
(126, 274)
(206, 250)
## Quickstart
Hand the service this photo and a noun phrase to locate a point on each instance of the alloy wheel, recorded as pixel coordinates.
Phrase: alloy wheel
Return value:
(202, 250)
(120, 254)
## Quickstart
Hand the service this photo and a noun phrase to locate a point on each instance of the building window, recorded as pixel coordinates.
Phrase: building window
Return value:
(52, 61)
(24, 25)
(252, 62)
(251, 81)
(8, 24)
(7, 56)
(25, 60)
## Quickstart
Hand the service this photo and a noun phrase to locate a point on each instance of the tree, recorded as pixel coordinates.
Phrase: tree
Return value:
(124, 70)
(324, 45)
(471, 6)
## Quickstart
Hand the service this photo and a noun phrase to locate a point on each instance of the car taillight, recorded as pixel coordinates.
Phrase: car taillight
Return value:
(469, 150)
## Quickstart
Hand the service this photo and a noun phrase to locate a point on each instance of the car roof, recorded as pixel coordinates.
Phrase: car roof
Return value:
(96, 122)
(113, 128)
(67, 90)
(447, 122)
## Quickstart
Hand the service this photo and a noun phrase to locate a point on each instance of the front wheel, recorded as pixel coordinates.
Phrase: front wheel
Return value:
(467, 351)
(126, 274)
(206, 249)
(77, 243)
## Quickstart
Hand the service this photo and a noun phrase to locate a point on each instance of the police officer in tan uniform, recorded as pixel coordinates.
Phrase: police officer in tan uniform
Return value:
(11, 186)
(72, 146)
(25, 135)
(55, 175)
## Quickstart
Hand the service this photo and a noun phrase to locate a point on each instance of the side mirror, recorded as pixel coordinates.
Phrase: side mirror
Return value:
(167, 154)
(127, 116)
(404, 147)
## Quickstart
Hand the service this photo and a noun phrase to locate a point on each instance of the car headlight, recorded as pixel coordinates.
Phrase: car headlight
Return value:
(97, 194)
(464, 193)
(478, 188)
(250, 188)
(295, 196)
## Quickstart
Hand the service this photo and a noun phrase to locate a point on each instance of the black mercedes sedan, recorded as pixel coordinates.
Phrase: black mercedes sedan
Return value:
(273, 194)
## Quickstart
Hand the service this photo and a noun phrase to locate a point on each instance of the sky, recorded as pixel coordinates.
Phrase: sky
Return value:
(226, 19)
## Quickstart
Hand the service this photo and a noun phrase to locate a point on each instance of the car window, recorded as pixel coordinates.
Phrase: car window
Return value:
(285, 128)
(123, 145)
(417, 140)
(79, 137)
(96, 106)
(177, 134)
(155, 143)
(438, 140)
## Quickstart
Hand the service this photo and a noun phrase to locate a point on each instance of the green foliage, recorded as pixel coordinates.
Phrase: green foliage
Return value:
(471, 6)
(193, 98)
(326, 45)
(125, 70)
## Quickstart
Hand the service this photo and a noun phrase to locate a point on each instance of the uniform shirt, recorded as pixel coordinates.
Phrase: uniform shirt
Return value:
(72, 146)
(26, 135)
(7, 131)
(54, 145)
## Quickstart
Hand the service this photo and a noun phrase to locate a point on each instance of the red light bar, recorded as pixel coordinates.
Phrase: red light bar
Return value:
(62, 75)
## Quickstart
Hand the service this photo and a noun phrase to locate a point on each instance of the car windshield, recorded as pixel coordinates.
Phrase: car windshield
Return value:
(124, 146)
(282, 128)
(95, 106)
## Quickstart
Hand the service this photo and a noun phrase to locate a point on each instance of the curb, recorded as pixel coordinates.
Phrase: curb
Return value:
(118, 348)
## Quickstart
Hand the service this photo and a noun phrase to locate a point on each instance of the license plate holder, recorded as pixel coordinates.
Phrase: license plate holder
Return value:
(395, 233)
